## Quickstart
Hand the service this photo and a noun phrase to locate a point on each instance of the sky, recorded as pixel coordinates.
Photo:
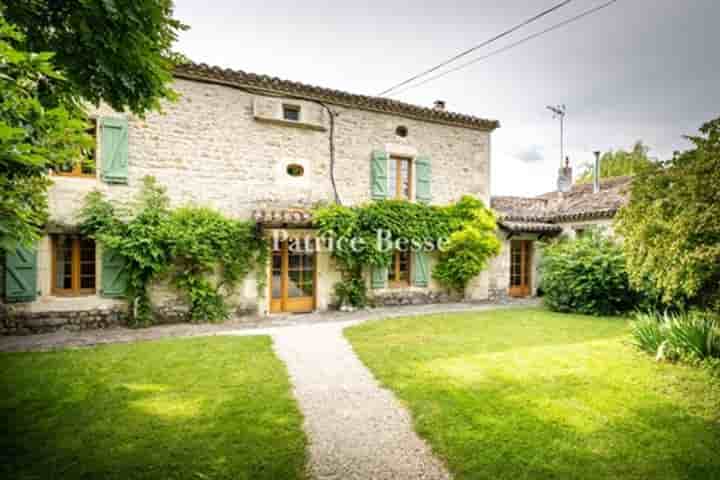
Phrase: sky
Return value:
(638, 70)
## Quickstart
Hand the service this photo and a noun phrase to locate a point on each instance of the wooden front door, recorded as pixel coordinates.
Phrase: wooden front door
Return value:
(292, 280)
(520, 268)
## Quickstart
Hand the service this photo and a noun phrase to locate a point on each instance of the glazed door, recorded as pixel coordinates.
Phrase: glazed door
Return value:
(520, 267)
(292, 280)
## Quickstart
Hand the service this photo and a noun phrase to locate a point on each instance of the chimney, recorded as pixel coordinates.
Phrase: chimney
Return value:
(596, 173)
(564, 183)
(439, 105)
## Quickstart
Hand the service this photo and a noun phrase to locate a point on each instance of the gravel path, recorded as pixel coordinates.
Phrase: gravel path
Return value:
(248, 325)
(357, 429)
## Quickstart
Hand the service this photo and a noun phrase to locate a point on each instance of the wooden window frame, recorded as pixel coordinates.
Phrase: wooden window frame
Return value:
(394, 280)
(77, 167)
(398, 178)
(75, 290)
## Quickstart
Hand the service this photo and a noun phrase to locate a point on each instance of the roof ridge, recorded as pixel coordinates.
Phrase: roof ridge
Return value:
(240, 78)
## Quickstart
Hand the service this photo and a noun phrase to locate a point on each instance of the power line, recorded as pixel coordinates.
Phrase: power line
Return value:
(470, 50)
(512, 45)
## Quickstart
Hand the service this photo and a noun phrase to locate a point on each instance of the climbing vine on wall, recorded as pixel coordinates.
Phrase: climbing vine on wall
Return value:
(204, 253)
(463, 234)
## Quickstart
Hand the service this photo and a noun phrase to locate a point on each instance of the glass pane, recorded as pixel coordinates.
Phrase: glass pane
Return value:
(392, 178)
(294, 279)
(294, 261)
(276, 285)
(308, 262)
(87, 281)
(63, 263)
(308, 287)
(404, 179)
(87, 164)
(276, 261)
(67, 166)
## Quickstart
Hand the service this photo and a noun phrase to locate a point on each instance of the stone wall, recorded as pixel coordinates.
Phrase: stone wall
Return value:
(17, 320)
(209, 148)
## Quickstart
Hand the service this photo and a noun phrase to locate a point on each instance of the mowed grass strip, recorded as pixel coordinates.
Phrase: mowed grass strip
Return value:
(205, 408)
(531, 394)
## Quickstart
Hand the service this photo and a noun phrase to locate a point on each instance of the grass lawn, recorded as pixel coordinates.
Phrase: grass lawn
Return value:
(530, 394)
(187, 408)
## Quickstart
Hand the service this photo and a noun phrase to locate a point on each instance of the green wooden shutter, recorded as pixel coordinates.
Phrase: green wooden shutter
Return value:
(379, 175)
(422, 179)
(379, 277)
(114, 274)
(21, 275)
(114, 150)
(421, 273)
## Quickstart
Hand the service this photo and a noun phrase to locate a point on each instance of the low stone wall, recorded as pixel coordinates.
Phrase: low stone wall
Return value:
(15, 321)
(400, 297)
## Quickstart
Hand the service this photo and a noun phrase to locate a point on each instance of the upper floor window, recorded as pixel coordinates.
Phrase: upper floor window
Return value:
(84, 166)
(399, 178)
(291, 112)
(399, 271)
(73, 265)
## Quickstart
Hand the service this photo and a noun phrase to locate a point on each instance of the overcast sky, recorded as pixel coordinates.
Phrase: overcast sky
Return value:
(640, 69)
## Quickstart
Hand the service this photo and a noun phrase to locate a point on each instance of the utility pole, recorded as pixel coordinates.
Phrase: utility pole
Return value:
(559, 112)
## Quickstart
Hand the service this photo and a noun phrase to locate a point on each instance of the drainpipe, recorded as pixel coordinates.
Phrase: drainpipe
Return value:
(596, 174)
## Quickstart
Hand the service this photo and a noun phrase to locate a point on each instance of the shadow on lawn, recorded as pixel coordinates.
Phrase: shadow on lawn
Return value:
(69, 417)
(560, 429)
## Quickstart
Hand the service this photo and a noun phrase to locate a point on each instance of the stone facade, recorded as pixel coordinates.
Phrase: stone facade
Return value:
(222, 147)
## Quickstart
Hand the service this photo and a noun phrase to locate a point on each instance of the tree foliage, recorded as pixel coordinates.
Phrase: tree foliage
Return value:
(671, 224)
(56, 56)
(112, 51)
(34, 136)
(205, 253)
(586, 275)
(619, 163)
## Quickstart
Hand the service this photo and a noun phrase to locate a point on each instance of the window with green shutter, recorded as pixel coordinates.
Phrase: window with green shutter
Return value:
(422, 179)
(421, 269)
(379, 277)
(379, 175)
(21, 275)
(114, 274)
(114, 150)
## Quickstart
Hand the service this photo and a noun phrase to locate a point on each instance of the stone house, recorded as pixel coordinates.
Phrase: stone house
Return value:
(253, 147)
(571, 210)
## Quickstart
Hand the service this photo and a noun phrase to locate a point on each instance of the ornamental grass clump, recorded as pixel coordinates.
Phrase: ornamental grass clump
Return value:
(692, 337)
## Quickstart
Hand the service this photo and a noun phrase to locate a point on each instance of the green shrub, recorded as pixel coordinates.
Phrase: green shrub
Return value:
(351, 292)
(206, 253)
(586, 275)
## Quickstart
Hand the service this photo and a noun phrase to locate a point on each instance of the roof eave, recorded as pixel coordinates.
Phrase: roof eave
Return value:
(344, 99)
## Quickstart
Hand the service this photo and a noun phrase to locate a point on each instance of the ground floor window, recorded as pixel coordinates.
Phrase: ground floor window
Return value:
(73, 263)
(399, 271)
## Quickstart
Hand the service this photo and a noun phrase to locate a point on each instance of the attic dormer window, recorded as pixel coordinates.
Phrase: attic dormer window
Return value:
(291, 113)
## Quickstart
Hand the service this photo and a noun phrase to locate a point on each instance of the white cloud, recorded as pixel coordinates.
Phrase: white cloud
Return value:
(531, 154)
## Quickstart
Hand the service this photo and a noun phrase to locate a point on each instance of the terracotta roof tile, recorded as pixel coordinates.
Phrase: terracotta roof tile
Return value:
(579, 203)
(283, 216)
(241, 79)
